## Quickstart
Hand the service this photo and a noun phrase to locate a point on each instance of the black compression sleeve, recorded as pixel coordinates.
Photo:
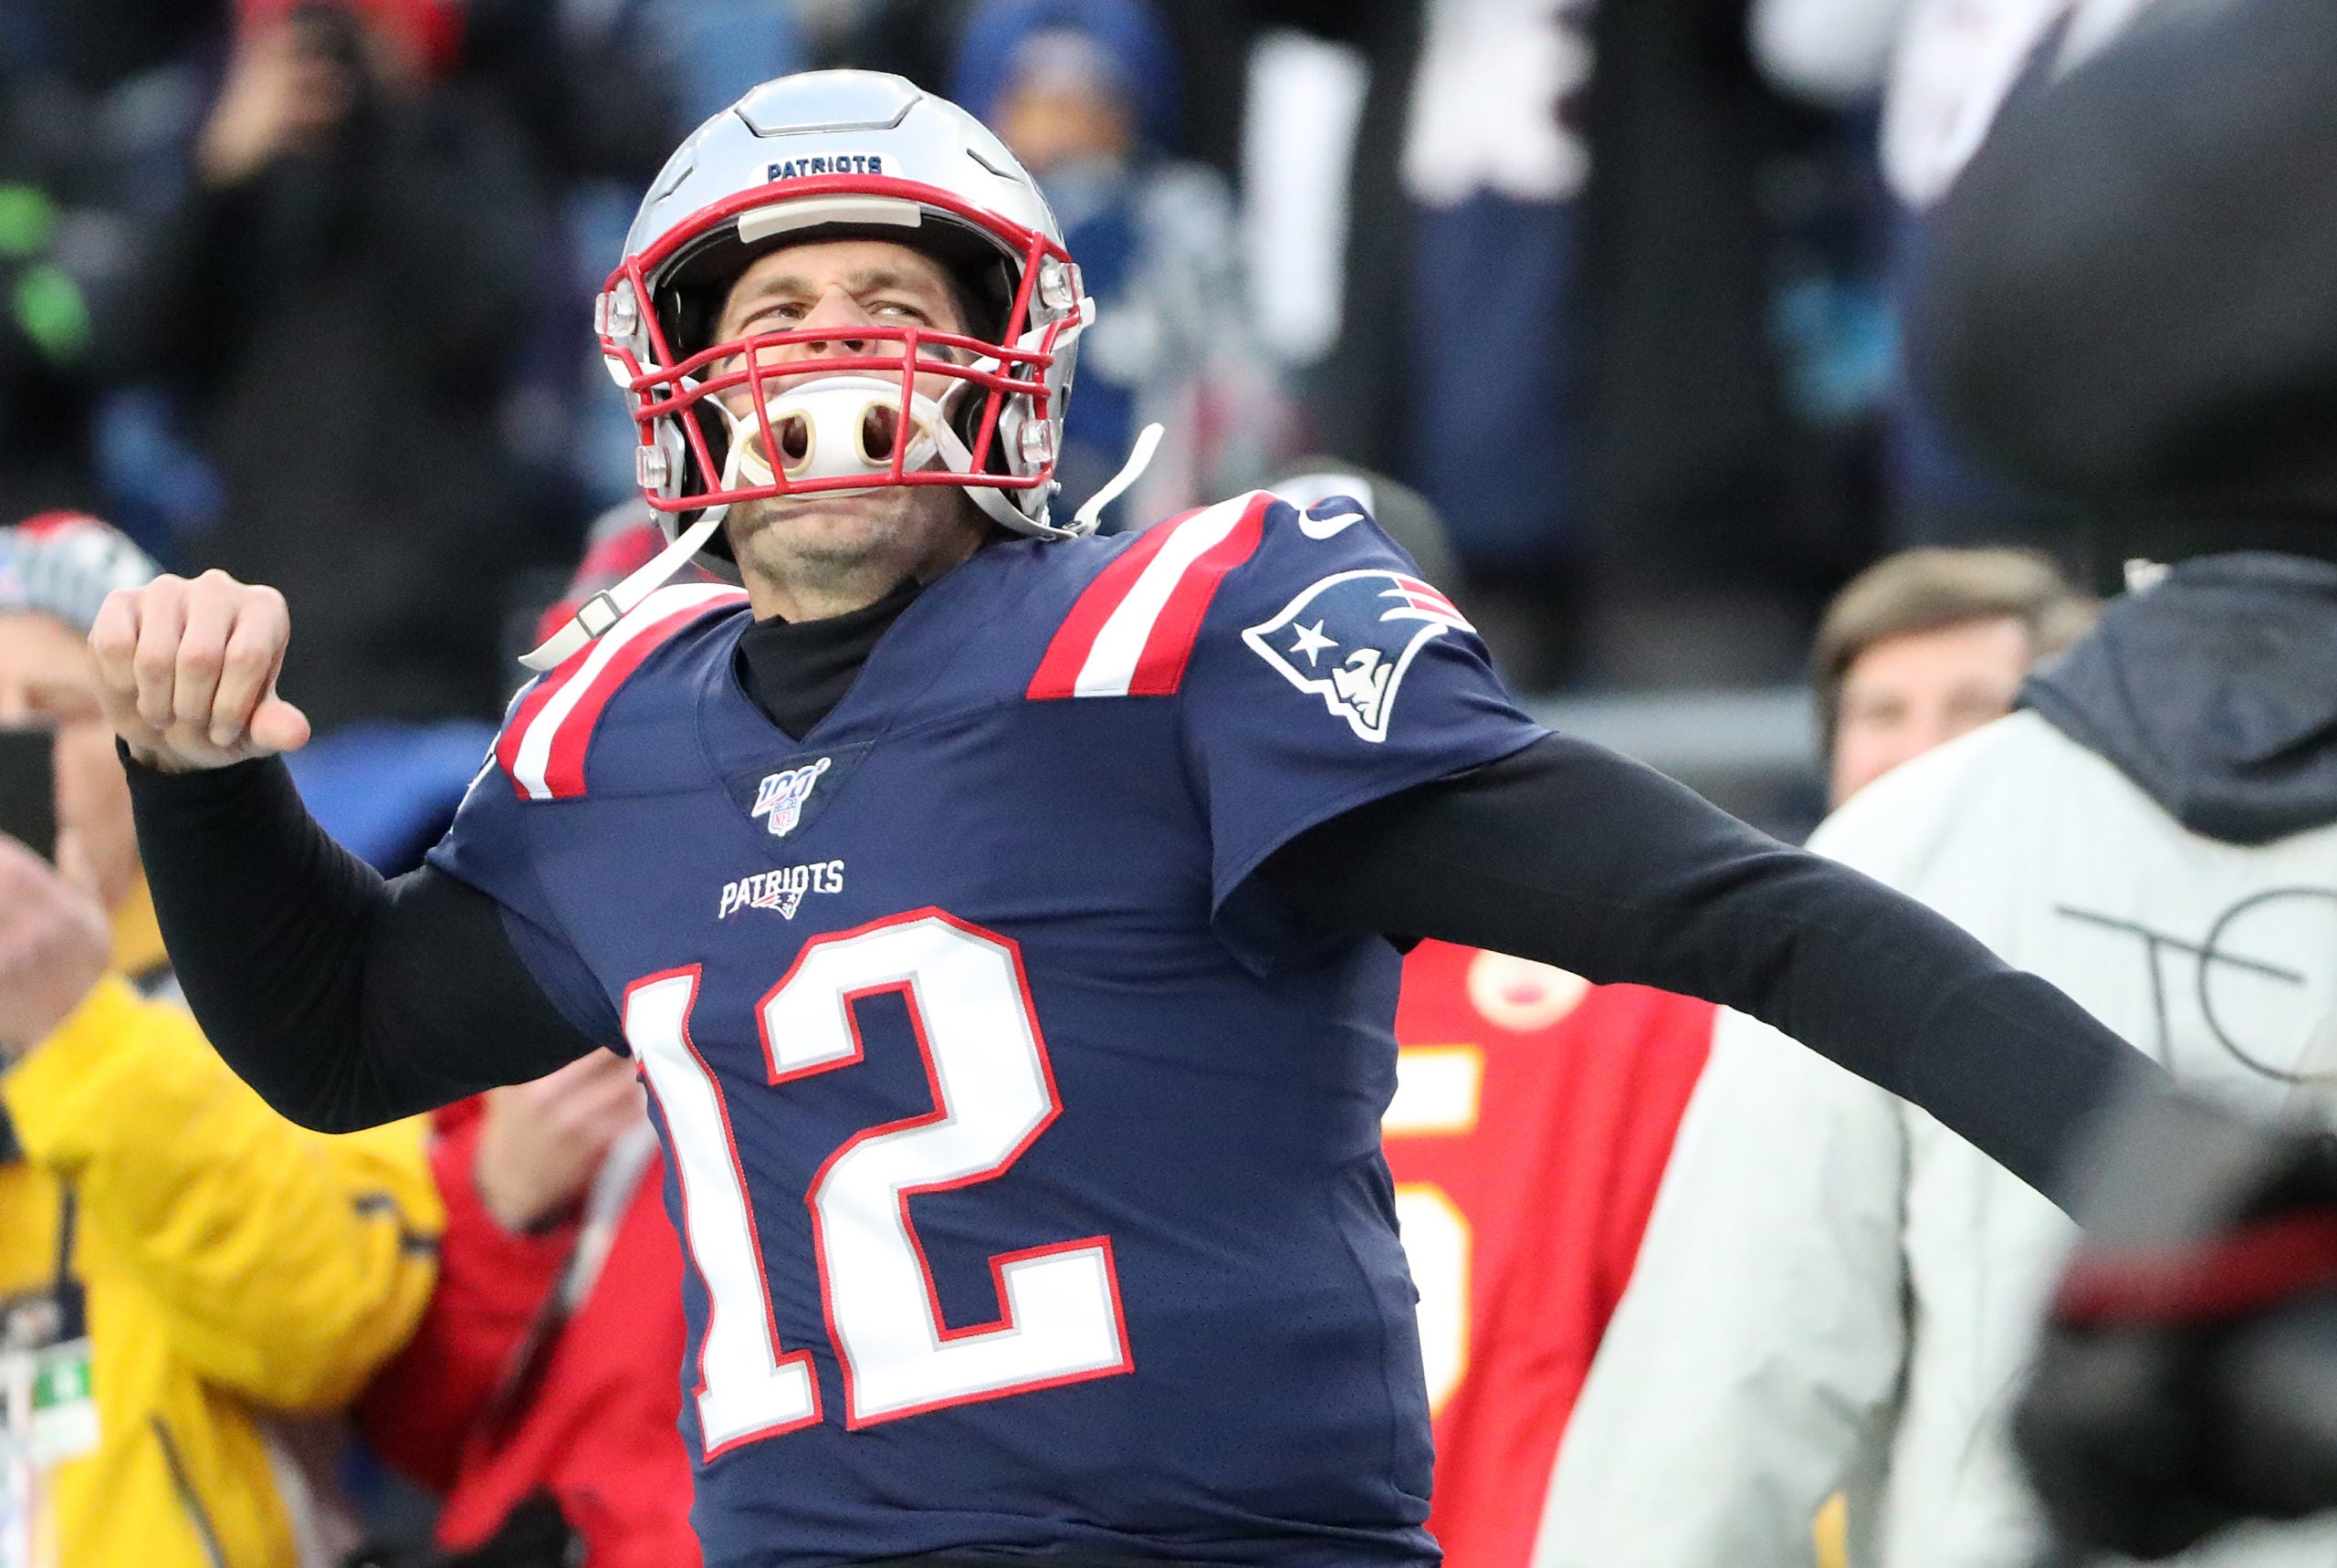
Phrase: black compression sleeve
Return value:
(1570, 854)
(346, 1001)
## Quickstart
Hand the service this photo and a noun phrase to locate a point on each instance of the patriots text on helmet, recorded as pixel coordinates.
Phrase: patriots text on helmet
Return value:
(827, 164)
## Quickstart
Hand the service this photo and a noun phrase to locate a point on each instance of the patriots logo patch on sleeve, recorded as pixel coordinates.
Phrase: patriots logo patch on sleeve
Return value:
(1350, 638)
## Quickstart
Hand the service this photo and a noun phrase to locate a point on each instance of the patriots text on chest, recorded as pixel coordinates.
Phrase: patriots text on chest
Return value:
(781, 890)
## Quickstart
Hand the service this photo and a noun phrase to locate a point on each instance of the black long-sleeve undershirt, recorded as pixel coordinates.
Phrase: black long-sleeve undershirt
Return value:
(346, 1001)
(1569, 854)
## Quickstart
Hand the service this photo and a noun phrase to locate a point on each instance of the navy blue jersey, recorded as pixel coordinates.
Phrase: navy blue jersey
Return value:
(1026, 1151)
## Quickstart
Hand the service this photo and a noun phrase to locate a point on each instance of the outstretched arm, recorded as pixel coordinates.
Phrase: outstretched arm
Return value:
(1570, 854)
(345, 1000)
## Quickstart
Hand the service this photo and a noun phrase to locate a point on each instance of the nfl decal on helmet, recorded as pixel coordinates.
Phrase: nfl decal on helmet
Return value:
(1350, 638)
(829, 155)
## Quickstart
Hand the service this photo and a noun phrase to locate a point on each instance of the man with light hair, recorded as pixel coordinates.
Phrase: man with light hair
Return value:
(1927, 644)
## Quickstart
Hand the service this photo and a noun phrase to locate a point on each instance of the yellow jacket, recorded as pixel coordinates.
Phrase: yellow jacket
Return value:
(234, 1265)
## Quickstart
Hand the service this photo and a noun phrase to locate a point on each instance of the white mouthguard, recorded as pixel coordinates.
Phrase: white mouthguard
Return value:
(824, 429)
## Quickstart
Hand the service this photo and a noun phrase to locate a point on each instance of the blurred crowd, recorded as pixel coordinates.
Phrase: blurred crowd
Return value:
(301, 288)
(1603, 307)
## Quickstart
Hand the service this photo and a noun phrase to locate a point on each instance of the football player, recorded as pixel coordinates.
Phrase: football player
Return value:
(997, 914)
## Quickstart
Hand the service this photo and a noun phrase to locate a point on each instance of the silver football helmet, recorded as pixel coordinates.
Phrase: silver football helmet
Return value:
(829, 155)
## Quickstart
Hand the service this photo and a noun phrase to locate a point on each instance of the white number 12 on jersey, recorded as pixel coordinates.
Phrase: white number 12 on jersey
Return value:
(993, 1093)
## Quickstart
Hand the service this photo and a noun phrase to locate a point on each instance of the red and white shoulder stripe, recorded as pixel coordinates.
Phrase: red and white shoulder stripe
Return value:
(1131, 632)
(543, 746)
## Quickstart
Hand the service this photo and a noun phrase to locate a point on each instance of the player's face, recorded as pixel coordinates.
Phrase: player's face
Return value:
(1905, 694)
(48, 679)
(808, 556)
(835, 286)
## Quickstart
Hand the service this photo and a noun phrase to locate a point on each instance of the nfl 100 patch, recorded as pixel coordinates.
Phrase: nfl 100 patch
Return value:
(787, 795)
(781, 797)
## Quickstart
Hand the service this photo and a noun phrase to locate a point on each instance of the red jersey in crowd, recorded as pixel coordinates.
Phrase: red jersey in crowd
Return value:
(1533, 1116)
(595, 1423)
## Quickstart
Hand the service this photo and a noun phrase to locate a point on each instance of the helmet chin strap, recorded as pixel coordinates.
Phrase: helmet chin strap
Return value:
(1091, 512)
(832, 409)
(609, 606)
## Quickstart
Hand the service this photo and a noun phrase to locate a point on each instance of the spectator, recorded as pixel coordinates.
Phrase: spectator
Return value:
(1493, 158)
(601, 90)
(46, 396)
(1533, 1112)
(1085, 93)
(1630, 488)
(192, 1265)
(1470, 160)
(597, 85)
(338, 299)
(2184, 388)
(1836, 1292)
(1928, 644)
(1940, 70)
(2195, 370)
(90, 98)
(542, 1395)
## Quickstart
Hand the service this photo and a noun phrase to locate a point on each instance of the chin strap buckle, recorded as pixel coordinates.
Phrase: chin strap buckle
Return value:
(597, 614)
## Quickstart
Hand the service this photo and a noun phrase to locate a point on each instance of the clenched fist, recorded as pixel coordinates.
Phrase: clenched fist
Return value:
(187, 672)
